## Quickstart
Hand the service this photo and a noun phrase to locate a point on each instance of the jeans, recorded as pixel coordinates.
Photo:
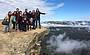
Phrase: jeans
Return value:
(6, 28)
(38, 21)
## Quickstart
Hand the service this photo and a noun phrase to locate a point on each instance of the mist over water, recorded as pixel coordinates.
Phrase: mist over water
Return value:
(68, 41)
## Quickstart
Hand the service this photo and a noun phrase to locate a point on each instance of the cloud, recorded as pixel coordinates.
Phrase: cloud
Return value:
(60, 5)
(67, 46)
(6, 5)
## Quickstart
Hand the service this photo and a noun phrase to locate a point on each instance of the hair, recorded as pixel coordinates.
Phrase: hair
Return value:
(26, 9)
(20, 11)
(33, 10)
(14, 13)
(29, 11)
(37, 9)
(17, 8)
(9, 12)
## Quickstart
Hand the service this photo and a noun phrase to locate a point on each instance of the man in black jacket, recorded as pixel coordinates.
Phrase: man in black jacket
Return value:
(38, 17)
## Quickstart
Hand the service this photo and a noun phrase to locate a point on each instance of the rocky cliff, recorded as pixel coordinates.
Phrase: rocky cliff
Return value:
(21, 43)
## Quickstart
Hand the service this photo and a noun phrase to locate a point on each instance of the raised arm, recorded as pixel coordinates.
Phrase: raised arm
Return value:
(42, 13)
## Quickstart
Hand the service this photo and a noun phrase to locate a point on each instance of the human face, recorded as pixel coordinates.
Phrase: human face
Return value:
(33, 11)
(9, 13)
(17, 9)
(29, 12)
(14, 12)
(37, 9)
(26, 10)
(20, 12)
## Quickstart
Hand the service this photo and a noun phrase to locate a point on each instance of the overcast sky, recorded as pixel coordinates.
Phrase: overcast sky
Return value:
(54, 9)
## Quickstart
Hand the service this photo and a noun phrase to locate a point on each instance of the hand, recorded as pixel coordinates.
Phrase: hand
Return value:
(43, 13)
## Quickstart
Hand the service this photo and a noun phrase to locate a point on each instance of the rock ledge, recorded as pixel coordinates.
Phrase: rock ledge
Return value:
(20, 43)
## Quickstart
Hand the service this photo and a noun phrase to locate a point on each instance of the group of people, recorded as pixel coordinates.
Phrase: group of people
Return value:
(22, 21)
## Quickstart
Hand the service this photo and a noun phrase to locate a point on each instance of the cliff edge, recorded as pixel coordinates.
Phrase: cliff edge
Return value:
(20, 43)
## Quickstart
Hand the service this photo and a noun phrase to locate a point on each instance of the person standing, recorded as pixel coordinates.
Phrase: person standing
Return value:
(20, 20)
(38, 17)
(30, 20)
(14, 20)
(7, 22)
(17, 17)
(9, 18)
(33, 16)
(27, 17)
(27, 13)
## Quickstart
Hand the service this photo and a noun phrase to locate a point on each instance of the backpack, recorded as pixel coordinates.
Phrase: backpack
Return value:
(5, 22)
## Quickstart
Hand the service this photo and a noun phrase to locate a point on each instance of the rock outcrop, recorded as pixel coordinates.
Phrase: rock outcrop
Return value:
(21, 43)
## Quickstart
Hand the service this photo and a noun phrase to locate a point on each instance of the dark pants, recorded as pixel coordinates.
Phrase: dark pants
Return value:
(24, 27)
(19, 26)
(27, 26)
(38, 21)
(33, 24)
(14, 25)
